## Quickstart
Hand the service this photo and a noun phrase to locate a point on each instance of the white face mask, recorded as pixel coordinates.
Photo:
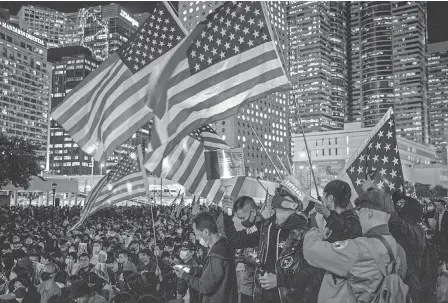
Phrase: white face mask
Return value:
(183, 255)
(202, 242)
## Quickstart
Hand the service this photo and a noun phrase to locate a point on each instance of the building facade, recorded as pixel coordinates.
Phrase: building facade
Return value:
(438, 97)
(25, 84)
(44, 23)
(268, 116)
(317, 57)
(330, 150)
(70, 66)
(388, 65)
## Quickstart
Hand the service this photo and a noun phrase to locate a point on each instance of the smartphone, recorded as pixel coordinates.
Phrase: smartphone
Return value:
(315, 200)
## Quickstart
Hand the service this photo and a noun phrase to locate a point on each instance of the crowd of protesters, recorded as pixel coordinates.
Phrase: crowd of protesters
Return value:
(234, 253)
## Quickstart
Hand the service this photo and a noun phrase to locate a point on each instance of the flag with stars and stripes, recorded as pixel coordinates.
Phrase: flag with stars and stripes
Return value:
(186, 165)
(124, 182)
(377, 158)
(180, 206)
(229, 59)
(108, 106)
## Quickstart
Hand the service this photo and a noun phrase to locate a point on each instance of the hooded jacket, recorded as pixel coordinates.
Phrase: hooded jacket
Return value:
(297, 281)
(218, 281)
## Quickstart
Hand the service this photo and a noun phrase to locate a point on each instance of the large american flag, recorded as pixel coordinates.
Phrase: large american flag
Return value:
(228, 59)
(108, 107)
(186, 165)
(377, 158)
(124, 182)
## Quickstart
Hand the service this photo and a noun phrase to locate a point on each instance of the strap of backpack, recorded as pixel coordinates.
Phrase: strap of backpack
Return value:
(376, 256)
(389, 250)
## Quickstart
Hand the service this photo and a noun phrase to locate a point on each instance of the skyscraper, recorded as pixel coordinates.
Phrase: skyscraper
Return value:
(438, 97)
(318, 61)
(70, 66)
(388, 65)
(267, 116)
(44, 23)
(25, 81)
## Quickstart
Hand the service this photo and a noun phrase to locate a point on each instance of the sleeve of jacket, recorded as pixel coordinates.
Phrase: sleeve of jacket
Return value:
(348, 225)
(211, 277)
(239, 239)
(337, 258)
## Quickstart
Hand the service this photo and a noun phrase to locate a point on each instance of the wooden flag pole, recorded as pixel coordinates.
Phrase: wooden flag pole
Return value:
(266, 152)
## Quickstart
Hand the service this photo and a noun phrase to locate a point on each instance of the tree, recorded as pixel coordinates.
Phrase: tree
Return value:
(19, 161)
(440, 191)
(423, 190)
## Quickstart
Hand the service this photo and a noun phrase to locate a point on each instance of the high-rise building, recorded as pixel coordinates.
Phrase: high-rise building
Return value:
(318, 64)
(44, 23)
(438, 97)
(103, 29)
(25, 79)
(388, 65)
(70, 66)
(268, 116)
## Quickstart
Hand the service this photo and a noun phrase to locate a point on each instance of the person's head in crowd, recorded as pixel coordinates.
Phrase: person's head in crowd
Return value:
(148, 299)
(45, 258)
(16, 245)
(399, 199)
(57, 257)
(73, 256)
(123, 297)
(246, 210)
(15, 239)
(28, 240)
(136, 284)
(78, 238)
(176, 259)
(72, 249)
(287, 200)
(187, 251)
(41, 244)
(192, 237)
(412, 210)
(205, 229)
(34, 256)
(63, 245)
(72, 279)
(96, 248)
(95, 281)
(86, 238)
(84, 260)
(134, 247)
(373, 208)
(169, 245)
(430, 207)
(337, 195)
(158, 249)
(166, 258)
(81, 292)
(24, 281)
(123, 256)
(48, 272)
(440, 205)
(145, 255)
(60, 278)
(18, 272)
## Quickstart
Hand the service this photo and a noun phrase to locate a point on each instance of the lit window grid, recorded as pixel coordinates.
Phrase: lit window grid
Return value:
(25, 94)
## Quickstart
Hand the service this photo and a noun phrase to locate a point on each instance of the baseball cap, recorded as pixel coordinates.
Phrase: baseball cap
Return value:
(376, 199)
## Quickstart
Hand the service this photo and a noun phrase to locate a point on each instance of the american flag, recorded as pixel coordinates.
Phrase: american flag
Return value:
(108, 107)
(124, 182)
(180, 206)
(186, 165)
(377, 158)
(228, 59)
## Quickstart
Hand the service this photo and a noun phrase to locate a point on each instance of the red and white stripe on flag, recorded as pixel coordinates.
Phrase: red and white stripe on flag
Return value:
(109, 105)
(228, 59)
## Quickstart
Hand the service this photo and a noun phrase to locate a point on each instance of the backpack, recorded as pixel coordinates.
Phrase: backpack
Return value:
(392, 289)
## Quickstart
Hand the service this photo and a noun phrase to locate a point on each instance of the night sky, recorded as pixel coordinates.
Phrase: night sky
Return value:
(437, 12)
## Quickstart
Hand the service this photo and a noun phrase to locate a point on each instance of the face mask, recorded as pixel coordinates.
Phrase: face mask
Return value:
(202, 242)
(183, 255)
(45, 276)
(280, 202)
(249, 223)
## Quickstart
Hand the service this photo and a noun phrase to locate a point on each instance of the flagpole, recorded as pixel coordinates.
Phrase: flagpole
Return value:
(262, 146)
(146, 183)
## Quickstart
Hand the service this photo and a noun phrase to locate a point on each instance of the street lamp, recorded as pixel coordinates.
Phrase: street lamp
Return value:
(53, 186)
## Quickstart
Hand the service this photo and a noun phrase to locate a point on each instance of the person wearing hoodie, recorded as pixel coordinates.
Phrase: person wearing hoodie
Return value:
(217, 283)
(282, 274)
(405, 228)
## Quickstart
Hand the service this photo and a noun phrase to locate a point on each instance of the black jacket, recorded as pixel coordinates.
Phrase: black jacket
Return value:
(297, 281)
(343, 226)
(217, 283)
(411, 237)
